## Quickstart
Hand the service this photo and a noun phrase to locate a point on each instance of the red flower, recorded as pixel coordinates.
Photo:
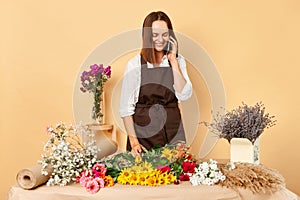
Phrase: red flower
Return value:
(184, 177)
(188, 167)
(164, 168)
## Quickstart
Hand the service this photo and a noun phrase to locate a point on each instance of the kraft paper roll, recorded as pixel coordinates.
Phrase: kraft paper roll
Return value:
(32, 177)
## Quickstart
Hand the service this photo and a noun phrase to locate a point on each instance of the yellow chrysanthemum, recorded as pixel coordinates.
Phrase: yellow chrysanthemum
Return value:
(134, 179)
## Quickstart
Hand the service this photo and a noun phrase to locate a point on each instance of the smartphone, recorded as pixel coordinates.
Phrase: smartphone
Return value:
(168, 47)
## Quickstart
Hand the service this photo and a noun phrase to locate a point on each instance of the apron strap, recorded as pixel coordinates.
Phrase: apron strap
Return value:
(144, 63)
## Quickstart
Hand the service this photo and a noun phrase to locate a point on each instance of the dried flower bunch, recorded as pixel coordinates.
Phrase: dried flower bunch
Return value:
(256, 178)
(243, 122)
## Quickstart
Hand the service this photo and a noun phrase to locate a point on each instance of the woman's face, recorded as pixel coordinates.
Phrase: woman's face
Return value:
(160, 34)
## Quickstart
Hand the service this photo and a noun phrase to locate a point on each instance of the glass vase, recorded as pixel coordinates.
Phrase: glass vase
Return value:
(98, 109)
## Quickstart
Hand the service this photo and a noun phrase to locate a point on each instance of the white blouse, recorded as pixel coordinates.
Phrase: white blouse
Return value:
(132, 81)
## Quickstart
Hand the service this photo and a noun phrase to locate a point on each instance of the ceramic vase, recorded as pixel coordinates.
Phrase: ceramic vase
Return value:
(242, 150)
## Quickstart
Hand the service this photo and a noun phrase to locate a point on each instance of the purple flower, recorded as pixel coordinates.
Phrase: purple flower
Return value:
(107, 71)
(96, 69)
(82, 89)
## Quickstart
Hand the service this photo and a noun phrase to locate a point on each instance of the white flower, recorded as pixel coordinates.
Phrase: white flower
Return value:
(207, 173)
(67, 159)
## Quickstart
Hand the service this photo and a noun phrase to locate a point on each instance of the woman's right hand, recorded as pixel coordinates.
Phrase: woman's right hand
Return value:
(136, 149)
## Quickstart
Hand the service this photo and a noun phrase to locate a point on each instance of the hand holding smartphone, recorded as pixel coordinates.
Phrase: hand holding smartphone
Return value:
(170, 45)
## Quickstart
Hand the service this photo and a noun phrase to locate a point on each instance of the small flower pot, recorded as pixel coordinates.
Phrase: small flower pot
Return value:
(242, 150)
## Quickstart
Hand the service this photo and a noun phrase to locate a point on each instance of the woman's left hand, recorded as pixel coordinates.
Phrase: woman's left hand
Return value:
(172, 53)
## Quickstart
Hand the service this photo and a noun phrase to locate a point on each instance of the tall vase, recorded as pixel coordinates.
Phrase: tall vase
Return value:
(102, 135)
(242, 150)
(99, 108)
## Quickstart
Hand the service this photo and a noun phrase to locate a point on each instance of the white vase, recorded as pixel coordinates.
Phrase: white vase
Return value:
(242, 150)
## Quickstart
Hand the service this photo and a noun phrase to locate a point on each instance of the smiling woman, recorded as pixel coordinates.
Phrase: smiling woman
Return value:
(155, 80)
(208, 95)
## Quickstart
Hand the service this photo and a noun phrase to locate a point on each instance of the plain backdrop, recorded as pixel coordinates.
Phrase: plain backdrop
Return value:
(254, 44)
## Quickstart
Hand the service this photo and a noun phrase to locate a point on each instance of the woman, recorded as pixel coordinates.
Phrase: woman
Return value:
(155, 80)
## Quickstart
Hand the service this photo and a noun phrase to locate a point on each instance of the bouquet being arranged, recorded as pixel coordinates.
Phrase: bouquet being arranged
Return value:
(159, 166)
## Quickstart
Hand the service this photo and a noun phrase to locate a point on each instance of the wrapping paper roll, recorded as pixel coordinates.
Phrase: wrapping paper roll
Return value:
(32, 177)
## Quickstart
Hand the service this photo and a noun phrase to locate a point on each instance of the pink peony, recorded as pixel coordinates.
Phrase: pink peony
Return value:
(92, 186)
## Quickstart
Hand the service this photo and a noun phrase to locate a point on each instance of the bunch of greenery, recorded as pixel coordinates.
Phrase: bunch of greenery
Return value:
(243, 122)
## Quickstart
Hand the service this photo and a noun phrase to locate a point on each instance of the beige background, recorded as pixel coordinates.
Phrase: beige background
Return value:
(255, 46)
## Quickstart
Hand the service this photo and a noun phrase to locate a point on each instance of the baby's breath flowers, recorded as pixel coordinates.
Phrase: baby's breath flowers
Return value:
(243, 122)
(65, 153)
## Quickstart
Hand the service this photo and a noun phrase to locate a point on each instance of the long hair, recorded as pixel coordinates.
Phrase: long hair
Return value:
(147, 51)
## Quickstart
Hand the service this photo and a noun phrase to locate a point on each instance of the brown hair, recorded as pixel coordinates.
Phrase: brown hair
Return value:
(147, 51)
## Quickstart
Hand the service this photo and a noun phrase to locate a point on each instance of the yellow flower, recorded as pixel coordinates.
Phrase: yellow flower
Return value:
(151, 181)
(143, 178)
(134, 179)
(138, 159)
(146, 167)
(167, 153)
(144, 174)
(124, 176)
(170, 178)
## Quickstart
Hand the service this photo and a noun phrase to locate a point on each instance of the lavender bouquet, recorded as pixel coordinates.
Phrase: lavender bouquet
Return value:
(243, 122)
(93, 82)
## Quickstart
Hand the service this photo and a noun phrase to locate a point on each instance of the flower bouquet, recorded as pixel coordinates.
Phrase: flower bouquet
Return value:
(66, 154)
(93, 82)
(159, 166)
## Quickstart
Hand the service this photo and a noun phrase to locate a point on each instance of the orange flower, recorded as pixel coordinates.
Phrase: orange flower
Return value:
(108, 181)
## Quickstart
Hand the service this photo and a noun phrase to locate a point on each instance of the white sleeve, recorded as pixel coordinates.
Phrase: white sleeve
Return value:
(130, 88)
(187, 90)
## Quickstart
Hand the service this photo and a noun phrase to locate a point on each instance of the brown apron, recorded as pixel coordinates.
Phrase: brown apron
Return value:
(157, 118)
